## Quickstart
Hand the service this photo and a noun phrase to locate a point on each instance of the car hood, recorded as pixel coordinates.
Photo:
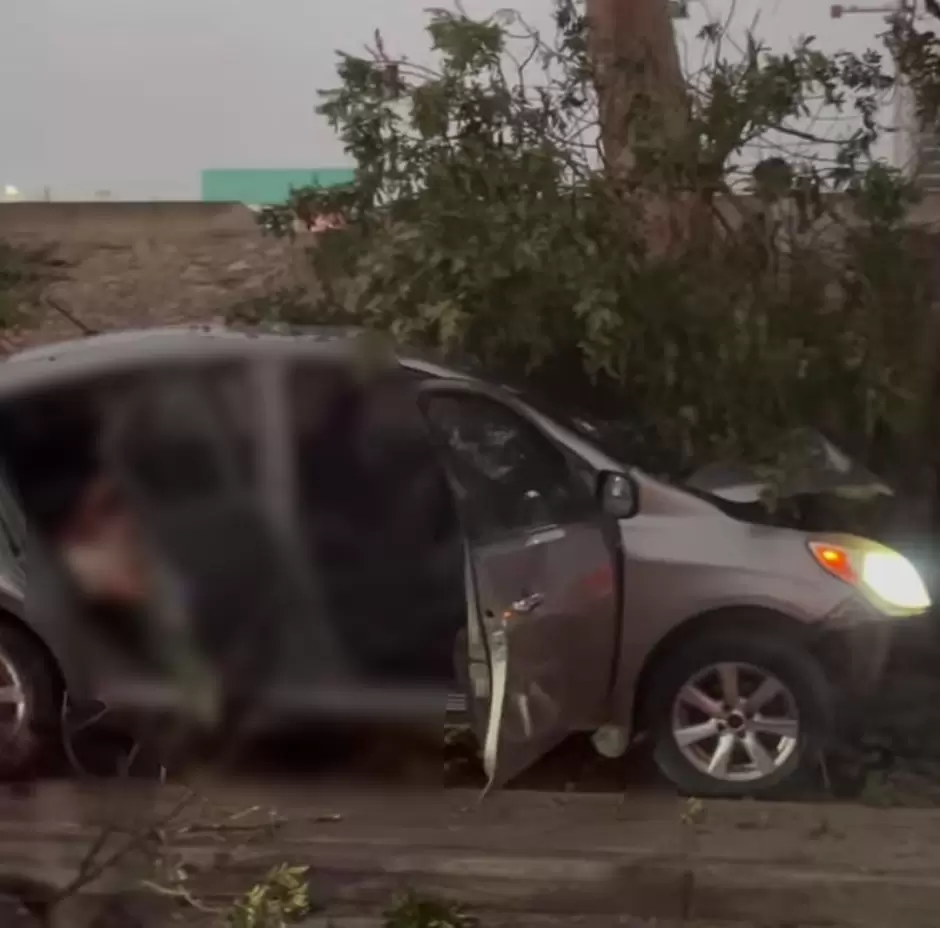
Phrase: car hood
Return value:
(688, 557)
(823, 469)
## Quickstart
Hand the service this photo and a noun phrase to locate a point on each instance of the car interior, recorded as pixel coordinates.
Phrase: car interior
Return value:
(380, 524)
(50, 452)
(374, 585)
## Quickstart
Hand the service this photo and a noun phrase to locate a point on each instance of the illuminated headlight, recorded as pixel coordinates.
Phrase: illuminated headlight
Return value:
(894, 579)
(886, 577)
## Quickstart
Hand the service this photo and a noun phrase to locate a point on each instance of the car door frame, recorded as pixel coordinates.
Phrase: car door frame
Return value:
(495, 640)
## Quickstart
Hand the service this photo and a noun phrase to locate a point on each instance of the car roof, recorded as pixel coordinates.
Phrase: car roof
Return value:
(65, 363)
(77, 359)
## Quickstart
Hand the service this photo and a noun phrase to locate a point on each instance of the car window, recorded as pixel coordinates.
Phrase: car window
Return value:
(365, 465)
(48, 444)
(187, 436)
(507, 474)
(613, 438)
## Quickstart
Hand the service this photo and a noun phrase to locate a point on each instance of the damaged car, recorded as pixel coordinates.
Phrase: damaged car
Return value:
(324, 533)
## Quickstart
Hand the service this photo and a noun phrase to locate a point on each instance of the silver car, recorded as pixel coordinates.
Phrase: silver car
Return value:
(572, 592)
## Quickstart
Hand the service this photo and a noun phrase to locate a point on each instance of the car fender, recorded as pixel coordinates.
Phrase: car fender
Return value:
(15, 611)
(41, 613)
(679, 572)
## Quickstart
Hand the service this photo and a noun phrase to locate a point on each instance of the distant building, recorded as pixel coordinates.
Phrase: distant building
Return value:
(917, 147)
(266, 187)
(928, 160)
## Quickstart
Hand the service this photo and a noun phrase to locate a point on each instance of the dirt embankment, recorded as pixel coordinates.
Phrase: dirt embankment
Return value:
(126, 265)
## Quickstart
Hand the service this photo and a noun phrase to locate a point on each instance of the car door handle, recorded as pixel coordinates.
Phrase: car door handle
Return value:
(528, 603)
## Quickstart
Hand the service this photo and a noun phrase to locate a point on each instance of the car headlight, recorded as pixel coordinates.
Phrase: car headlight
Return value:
(886, 577)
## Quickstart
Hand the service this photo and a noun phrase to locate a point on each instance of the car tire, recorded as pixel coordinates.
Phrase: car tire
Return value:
(769, 659)
(27, 729)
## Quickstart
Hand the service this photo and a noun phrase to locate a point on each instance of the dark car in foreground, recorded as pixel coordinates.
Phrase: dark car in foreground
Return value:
(341, 541)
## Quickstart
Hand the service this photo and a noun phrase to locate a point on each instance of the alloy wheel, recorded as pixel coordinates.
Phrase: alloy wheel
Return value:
(736, 722)
(13, 702)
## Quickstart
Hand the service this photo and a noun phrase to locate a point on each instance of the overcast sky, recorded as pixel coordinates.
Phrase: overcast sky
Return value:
(137, 96)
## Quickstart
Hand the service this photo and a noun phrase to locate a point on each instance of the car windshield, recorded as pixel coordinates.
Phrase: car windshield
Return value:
(614, 439)
(610, 437)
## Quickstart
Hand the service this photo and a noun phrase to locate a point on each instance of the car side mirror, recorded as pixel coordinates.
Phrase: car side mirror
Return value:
(619, 495)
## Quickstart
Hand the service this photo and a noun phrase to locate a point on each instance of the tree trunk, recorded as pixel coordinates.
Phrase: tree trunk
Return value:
(635, 55)
(642, 97)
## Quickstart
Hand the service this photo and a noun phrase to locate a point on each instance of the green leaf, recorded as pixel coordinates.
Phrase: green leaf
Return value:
(481, 223)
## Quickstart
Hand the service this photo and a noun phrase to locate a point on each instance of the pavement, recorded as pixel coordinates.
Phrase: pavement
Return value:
(513, 858)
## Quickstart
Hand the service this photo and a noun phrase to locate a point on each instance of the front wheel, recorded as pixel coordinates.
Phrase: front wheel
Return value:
(28, 703)
(738, 714)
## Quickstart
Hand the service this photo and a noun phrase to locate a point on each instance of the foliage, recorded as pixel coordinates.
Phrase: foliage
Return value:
(282, 898)
(414, 911)
(917, 52)
(288, 306)
(22, 274)
(482, 223)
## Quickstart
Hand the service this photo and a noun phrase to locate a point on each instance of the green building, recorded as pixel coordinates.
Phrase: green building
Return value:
(266, 187)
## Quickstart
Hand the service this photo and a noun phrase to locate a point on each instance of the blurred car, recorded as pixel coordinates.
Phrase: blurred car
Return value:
(396, 538)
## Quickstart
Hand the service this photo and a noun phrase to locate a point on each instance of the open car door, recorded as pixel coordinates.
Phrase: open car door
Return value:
(543, 579)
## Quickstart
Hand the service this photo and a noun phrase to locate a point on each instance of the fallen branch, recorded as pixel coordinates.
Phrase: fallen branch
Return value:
(66, 313)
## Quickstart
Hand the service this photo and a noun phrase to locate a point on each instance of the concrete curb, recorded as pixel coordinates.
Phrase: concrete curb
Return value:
(671, 888)
(366, 877)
